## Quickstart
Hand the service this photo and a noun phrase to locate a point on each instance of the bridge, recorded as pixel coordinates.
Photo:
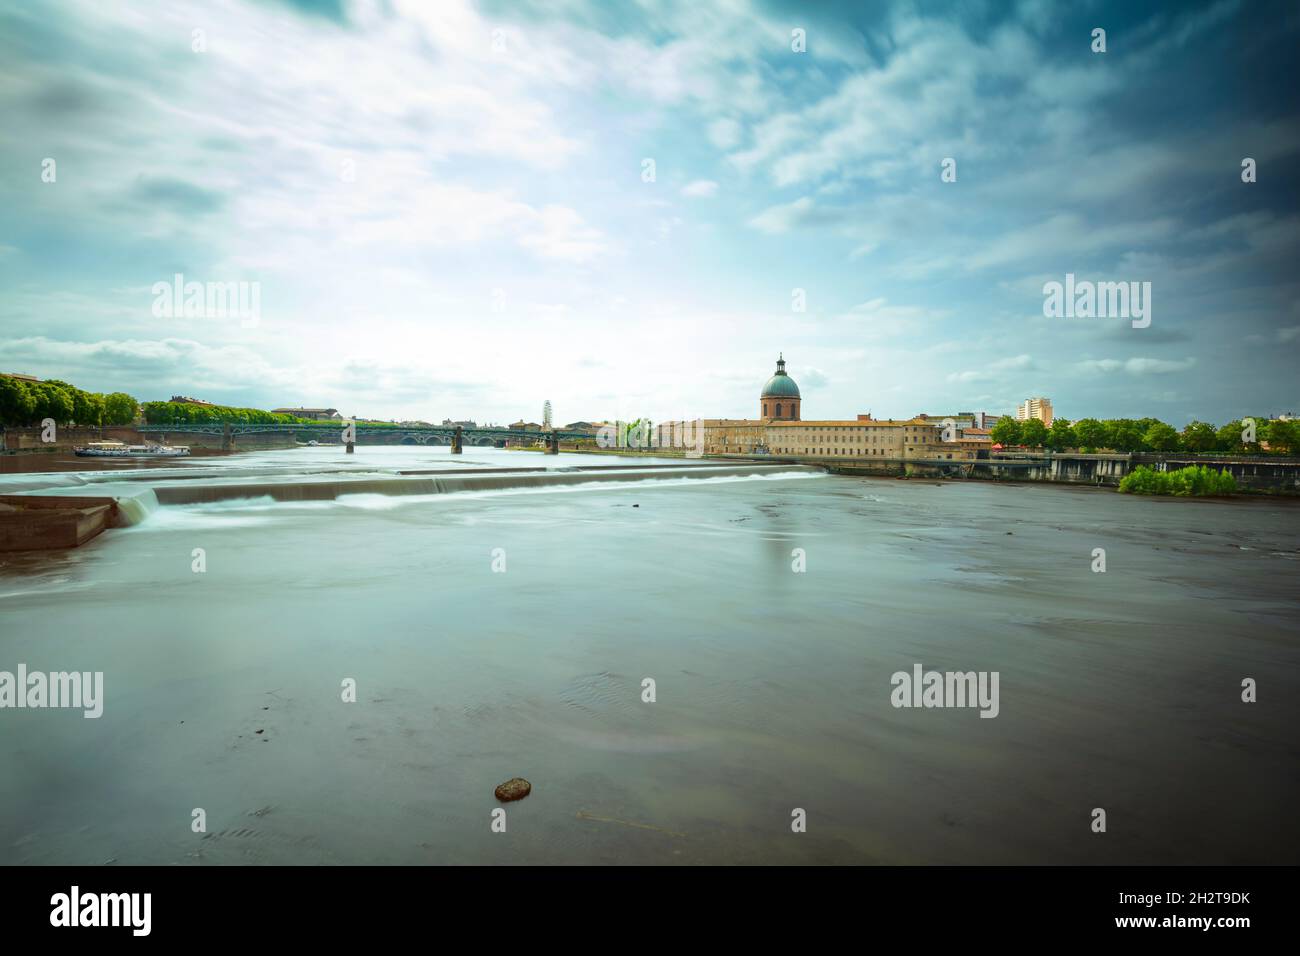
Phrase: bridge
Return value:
(332, 433)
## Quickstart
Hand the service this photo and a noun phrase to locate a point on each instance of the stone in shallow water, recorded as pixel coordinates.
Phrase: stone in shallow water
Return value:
(516, 788)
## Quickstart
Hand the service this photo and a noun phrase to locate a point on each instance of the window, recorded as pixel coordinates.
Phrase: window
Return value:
(778, 409)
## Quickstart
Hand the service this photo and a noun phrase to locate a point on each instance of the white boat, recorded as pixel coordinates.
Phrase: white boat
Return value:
(117, 449)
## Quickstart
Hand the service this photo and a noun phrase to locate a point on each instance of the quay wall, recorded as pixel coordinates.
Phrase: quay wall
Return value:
(66, 437)
(1254, 474)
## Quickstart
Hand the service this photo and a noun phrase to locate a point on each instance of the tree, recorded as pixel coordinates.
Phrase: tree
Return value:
(54, 402)
(1033, 433)
(1199, 437)
(1228, 437)
(1090, 433)
(1006, 431)
(1124, 434)
(1283, 436)
(1160, 437)
(1061, 436)
(17, 402)
(87, 407)
(119, 409)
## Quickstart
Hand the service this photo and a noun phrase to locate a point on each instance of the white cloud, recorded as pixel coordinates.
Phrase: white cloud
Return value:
(779, 219)
(700, 189)
(724, 133)
(1136, 366)
(480, 169)
(994, 371)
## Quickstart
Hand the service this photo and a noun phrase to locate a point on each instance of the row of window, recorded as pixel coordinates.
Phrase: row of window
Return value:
(833, 451)
(838, 451)
(859, 428)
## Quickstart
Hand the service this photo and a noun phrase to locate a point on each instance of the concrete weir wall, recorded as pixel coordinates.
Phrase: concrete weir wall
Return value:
(328, 490)
(37, 522)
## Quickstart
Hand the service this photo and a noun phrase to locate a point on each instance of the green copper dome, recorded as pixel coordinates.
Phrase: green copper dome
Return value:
(780, 385)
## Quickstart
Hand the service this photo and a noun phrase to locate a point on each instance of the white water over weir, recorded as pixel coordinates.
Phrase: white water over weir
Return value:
(451, 483)
(58, 511)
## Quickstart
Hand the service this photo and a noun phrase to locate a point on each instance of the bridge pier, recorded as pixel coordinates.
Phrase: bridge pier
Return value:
(458, 441)
(227, 438)
(553, 443)
(351, 448)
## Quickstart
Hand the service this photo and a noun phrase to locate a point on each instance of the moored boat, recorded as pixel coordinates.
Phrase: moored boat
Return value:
(117, 449)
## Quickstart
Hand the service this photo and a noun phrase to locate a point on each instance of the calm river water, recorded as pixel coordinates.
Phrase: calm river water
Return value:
(1118, 690)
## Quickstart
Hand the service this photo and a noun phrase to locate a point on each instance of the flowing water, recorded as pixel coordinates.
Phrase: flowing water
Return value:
(223, 689)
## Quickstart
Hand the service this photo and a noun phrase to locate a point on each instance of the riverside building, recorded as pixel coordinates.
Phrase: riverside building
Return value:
(780, 430)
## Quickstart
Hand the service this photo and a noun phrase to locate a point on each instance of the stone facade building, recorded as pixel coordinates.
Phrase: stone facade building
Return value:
(780, 431)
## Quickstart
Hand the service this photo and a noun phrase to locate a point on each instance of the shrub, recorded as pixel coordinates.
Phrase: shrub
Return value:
(1194, 481)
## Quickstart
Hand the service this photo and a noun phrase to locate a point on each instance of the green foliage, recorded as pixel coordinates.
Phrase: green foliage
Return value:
(1229, 437)
(53, 401)
(1090, 433)
(1194, 481)
(17, 402)
(187, 413)
(1006, 431)
(1283, 437)
(1160, 437)
(1199, 437)
(27, 403)
(1124, 434)
(120, 409)
(1061, 435)
(1033, 433)
(87, 408)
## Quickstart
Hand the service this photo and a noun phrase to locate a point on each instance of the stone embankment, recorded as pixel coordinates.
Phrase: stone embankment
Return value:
(31, 522)
(1259, 474)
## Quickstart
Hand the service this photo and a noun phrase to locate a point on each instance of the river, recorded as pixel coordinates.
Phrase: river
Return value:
(507, 631)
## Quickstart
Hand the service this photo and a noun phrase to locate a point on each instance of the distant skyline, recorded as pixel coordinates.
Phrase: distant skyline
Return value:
(445, 205)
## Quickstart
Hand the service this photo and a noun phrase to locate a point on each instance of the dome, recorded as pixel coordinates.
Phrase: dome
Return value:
(780, 385)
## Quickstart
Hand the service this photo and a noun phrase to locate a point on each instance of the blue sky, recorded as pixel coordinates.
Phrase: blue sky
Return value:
(444, 204)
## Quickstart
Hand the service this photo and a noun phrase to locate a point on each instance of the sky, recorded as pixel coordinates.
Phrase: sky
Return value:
(462, 210)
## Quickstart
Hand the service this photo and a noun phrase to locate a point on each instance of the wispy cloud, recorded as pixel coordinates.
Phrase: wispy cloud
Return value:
(463, 185)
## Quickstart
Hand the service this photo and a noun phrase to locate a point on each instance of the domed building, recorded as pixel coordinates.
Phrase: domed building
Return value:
(870, 445)
(779, 401)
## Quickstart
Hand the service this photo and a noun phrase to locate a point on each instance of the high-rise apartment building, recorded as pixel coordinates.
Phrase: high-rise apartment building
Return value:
(1040, 408)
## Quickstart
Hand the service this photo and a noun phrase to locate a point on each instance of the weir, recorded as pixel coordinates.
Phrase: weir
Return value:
(30, 523)
(450, 483)
(40, 521)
